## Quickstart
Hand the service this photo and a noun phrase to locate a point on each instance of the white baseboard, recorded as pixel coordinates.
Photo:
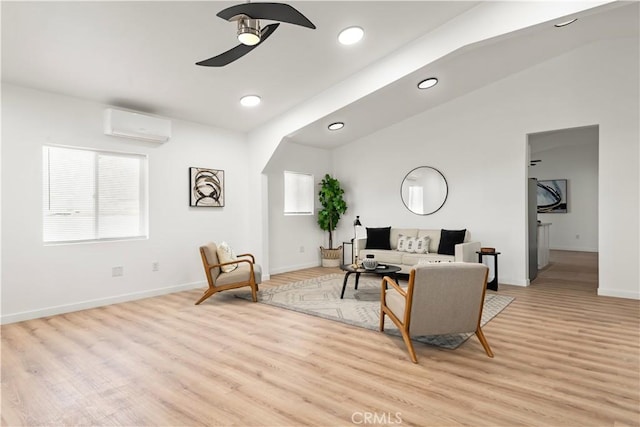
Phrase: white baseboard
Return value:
(100, 302)
(567, 248)
(618, 294)
(512, 281)
(289, 268)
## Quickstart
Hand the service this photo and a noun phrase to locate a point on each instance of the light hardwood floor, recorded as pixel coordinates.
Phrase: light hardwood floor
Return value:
(563, 357)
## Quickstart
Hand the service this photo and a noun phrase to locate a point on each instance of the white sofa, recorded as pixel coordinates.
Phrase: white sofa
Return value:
(464, 252)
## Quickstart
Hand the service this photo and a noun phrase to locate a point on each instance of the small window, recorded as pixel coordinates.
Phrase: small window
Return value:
(93, 195)
(298, 193)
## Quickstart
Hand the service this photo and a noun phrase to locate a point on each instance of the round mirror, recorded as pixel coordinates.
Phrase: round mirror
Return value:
(424, 190)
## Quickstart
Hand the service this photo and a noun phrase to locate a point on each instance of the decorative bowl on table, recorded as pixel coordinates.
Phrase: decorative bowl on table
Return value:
(369, 264)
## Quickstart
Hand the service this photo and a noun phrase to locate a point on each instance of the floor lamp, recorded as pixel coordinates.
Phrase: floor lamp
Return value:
(356, 223)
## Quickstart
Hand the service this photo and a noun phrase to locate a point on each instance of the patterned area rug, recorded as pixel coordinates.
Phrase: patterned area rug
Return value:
(321, 297)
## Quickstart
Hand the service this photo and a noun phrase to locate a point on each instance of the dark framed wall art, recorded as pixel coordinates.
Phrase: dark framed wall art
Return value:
(552, 196)
(206, 187)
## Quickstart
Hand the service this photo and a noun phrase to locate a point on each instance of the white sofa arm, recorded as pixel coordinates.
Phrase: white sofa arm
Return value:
(466, 252)
(360, 244)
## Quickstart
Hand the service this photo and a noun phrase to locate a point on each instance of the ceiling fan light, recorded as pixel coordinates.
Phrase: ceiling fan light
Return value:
(249, 31)
(350, 35)
(250, 100)
(427, 83)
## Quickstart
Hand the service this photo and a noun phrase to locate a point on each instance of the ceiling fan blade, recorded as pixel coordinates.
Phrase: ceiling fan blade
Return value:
(272, 11)
(238, 51)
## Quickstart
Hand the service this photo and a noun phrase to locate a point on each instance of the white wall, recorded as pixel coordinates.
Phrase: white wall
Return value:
(463, 30)
(294, 240)
(479, 143)
(40, 280)
(570, 154)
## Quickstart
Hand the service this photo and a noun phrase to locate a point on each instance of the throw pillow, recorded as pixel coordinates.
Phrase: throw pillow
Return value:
(411, 244)
(226, 254)
(449, 239)
(402, 243)
(422, 245)
(378, 238)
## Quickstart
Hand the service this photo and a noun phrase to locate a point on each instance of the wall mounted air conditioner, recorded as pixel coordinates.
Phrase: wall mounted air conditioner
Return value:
(129, 124)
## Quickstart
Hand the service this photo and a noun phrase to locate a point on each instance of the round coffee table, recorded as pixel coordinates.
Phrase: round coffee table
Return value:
(382, 269)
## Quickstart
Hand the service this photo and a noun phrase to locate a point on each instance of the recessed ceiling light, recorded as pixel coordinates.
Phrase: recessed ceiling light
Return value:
(565, 23)
(350, 35)
(427, 83)
(250, 100)
(336, 126)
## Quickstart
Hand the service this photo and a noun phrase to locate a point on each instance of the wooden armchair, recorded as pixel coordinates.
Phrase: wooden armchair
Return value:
(442, 298)
(248, 273)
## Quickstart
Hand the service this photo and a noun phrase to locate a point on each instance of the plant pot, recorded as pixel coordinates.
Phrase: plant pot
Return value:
(331, 257)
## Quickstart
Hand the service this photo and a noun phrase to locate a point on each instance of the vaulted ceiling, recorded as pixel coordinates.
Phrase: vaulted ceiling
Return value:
(141, 56)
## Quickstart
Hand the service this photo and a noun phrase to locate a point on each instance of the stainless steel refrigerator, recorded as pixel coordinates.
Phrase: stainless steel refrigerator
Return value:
(532, 218)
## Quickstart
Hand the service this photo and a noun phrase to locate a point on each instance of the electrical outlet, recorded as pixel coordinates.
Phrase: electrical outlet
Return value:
(117, 271)
(155, 266)
(577, 236)
(301, 249)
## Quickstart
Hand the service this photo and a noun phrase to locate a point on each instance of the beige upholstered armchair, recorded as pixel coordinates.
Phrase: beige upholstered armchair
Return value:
(248, 272)
(442, 298)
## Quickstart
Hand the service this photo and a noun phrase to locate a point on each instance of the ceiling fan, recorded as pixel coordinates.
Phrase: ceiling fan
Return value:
(250, 34)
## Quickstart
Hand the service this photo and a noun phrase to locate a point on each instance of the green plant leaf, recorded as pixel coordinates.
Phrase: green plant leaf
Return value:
(333, 205)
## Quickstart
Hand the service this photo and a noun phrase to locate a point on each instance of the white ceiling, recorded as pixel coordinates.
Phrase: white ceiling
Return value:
(468, 69)
(141, 55)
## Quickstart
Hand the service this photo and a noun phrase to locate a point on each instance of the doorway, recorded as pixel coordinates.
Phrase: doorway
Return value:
(563, 161)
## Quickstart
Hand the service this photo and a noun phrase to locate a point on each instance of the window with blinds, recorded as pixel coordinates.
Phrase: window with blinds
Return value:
(93, 195)
(298, 193)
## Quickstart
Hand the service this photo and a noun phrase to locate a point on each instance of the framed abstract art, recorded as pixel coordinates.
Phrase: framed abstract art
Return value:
(206, 187)
(552, 196)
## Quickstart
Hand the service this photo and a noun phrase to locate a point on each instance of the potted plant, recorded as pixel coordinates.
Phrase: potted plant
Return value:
(333, 206)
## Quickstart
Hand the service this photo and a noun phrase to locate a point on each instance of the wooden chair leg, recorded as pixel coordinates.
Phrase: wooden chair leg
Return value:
(206, 295)
(409, 344)
(382, 313)
(254, 292)
(484, 342)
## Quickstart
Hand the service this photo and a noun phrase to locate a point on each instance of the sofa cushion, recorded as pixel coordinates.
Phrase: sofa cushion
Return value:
(395, 233)
(434, 238)
(383, 256)
(418, 245)
(448, 241)
(402, 243)
(415, 259)
(378, 238)
(411, 244)
(422, 245)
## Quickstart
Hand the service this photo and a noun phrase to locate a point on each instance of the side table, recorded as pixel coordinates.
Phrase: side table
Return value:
(493, 285)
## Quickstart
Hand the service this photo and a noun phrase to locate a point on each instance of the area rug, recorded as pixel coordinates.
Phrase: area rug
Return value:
(320, 297)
